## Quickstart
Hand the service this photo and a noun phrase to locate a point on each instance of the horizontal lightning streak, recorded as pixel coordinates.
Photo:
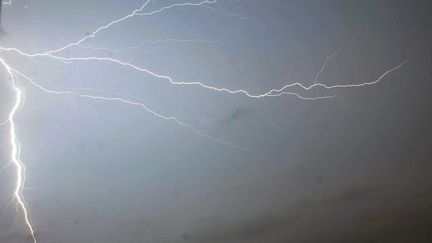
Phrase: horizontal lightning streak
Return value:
(270, 93)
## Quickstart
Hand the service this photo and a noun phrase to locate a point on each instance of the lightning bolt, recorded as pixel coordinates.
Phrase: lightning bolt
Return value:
(56, 55)
(15, 152)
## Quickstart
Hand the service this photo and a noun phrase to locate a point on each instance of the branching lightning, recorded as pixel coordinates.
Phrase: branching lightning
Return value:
(56, 55)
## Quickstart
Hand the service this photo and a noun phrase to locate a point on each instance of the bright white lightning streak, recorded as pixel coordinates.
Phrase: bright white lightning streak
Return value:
(15, 152)
(270, 93)
(161, 76)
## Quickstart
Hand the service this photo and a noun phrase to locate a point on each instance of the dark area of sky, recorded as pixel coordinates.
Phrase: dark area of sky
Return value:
(351, 169)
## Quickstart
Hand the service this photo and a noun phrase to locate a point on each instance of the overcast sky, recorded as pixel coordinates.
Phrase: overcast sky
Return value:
(356, 168)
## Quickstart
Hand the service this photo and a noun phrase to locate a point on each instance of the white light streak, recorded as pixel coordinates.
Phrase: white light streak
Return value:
(270, 93)
(15, 152)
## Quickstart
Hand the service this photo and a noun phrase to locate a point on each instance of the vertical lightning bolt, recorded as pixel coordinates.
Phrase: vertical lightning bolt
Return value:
(15, 152)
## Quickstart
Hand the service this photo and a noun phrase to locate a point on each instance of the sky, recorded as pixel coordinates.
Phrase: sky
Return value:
(354, 167)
